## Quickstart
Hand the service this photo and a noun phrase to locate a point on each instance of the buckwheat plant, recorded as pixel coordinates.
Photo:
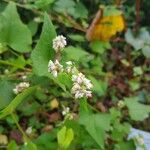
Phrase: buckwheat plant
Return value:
(81, 85)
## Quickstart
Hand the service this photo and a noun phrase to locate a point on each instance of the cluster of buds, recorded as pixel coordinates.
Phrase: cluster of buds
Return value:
(81, 86)
(59, 43)
(20, 87)
(55, 67)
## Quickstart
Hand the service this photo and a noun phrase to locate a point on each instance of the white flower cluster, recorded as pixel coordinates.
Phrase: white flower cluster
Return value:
(139, 140)
(20, 87)
(59, 43)
(81, 86)
(29, 130)
(66, 110)
(55, 67)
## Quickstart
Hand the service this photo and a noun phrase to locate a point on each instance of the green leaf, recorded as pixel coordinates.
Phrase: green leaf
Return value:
(6, 93)
(141, 41)
(13, 32)
(99, 86)
(111, 11)
(100, 46)
(137, 111)
(124, 145)
(75, 53)
(33, 27)
(137, 71)
(45, 138)
(65, 79)
(80, 11)
(135, 42)
(62, 6)
(96, 125)
(77, 37)
(43, 51)
(12, 146)
(3, 48)
(65, 137)
(16, 101)
(146, 51)
(29, 146)
(43, 3)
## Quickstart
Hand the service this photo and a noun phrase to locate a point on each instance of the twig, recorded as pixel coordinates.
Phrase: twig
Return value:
(138, 2)
(19, 127)
(118, 2)
(74, 23)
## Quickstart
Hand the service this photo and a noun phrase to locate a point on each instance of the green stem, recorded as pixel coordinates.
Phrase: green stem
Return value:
(19, 127)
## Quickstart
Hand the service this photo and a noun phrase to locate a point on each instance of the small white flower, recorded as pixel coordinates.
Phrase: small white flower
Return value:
(79, 94)
(139, 140)
(88, 93)
(24, 77)
(29, 130)
(55, 67)
(78, 78)
(87, 83)
(70, 68)
(69, 63)
(65, 111)
(37, 19)
(6, 71)
(20, 87)
(121, 104)
(59, 43)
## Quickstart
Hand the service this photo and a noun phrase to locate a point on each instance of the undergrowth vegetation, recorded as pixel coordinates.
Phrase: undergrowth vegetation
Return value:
(74, 74)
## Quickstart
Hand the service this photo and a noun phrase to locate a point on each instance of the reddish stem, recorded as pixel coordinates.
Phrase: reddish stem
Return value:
(138, 2)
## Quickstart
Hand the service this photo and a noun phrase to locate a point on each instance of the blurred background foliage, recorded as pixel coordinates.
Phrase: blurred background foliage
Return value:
(118, 66)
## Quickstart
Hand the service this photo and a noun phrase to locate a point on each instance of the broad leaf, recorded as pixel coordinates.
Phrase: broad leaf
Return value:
(65, 137)
(75, 53)
(29, 146)
(12, 146)
(13, 32)
(137, 111)
(44, 138)
(100, 46)
(146, 51)
(16, 101)
(135, 42)
(96, 125)
(100, 86)
(6, 93)
(43, 51)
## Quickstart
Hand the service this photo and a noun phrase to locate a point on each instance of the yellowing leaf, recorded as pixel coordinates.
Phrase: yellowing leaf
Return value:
(105, 27)
(3, 139)
(54, 104)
